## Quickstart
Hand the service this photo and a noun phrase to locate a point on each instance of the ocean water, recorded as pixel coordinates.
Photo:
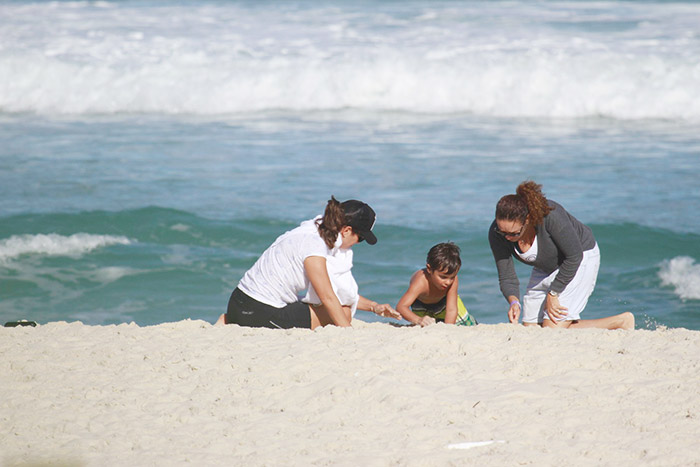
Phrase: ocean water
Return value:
(151, 150)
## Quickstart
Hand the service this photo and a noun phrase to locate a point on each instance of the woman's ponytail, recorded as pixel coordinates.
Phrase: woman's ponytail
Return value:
(332, 222)
(528, 200)
(536, 202)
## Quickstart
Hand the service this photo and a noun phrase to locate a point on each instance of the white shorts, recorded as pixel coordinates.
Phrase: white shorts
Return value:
(575, 295)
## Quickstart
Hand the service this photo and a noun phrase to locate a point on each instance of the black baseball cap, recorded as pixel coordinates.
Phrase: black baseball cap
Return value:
(361, 218)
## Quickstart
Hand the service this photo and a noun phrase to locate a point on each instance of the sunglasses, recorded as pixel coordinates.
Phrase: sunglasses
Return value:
(510, 234)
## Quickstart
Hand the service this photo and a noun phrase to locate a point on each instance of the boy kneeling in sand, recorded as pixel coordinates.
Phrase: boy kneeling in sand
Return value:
(432, 292)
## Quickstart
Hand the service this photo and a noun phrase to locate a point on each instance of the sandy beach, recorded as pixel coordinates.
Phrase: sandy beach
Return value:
(189, 393)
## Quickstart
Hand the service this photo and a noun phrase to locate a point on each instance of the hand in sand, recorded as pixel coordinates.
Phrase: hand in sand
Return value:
(426, 321)
(387, 311)
(514, 312)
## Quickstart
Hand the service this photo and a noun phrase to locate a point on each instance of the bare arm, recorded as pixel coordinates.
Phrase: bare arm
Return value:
(381, 309)
(417, 286)
(451, 304)
(315, 267)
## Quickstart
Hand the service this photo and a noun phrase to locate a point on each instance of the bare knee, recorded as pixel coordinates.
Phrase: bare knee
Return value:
(319, 316)
(565, 324)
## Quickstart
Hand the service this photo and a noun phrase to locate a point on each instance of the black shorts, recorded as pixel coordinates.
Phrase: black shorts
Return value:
(246, 311)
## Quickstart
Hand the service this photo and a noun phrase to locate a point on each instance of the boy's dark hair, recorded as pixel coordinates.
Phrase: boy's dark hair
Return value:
(444, 257)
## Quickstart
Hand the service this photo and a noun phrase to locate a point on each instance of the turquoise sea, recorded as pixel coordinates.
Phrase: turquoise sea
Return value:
(151, 150)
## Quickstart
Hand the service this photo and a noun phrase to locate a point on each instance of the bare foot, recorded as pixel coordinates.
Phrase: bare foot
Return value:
(627, 321)
(222, 320)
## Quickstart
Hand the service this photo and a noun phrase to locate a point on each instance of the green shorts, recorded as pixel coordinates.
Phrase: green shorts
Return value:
(463, 316)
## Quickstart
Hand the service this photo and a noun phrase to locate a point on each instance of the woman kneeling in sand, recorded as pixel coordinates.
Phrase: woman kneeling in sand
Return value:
(564, 255)
(316, 256)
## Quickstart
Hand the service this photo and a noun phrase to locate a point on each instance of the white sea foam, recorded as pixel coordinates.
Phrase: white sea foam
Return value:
(56, 245)
(113, 273)
(579, 59)
(683, 274)
(180, 227)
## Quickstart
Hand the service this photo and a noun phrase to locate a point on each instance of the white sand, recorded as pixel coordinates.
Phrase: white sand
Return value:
(188, 393)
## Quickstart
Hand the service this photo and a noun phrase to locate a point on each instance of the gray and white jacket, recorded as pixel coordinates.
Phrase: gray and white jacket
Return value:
(561, 241)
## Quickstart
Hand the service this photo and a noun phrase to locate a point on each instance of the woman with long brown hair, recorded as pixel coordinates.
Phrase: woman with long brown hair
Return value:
(267, 295)
(564, 255)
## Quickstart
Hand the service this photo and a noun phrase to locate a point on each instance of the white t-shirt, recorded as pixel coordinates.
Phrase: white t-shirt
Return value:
(530, 255)
(339, 266)
(278, 275)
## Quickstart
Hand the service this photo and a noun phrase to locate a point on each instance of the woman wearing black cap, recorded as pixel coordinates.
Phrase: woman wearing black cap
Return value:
(267, 295)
